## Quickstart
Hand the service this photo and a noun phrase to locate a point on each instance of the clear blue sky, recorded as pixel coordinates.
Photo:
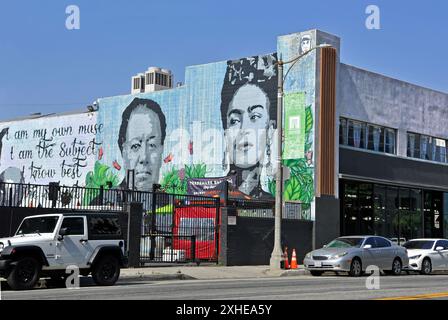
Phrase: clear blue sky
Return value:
(46, 68)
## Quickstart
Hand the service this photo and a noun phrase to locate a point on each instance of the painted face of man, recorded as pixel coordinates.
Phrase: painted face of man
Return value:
(305, 44)
(247, 124)
(143, 148)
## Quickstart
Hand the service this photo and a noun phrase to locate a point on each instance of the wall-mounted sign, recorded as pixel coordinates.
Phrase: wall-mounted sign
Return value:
(294, 108)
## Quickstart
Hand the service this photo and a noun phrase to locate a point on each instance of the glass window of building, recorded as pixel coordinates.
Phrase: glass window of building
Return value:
(389, 143)
(392, 212)
(427, 148)
(362, 135)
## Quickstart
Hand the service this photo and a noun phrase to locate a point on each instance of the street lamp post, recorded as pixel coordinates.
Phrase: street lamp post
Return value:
(277, 254)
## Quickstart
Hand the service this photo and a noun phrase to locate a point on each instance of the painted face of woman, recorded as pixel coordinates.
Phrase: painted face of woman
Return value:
(247, 126)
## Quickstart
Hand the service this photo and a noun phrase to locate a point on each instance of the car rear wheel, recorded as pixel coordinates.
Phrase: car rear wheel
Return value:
(106, 271)
(25, 274)
(315, 273)
(355, 268)
(396, 267)
(426, 267)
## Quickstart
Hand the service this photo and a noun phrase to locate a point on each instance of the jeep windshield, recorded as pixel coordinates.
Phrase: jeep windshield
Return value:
(37, 225)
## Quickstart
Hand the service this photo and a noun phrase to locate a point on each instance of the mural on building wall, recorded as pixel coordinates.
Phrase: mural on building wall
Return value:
(249, 120)
(221, 123)
(50, 149)
(301, 79)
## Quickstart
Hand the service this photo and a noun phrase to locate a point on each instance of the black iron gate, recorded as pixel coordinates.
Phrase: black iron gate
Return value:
(175, 228)
(180, 228)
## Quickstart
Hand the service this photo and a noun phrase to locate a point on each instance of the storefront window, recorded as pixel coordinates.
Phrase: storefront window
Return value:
(410, 214)
(445, 215)
(350, 208)
(433, 214)
(379, 214)
(365, 202)
(392, 212)
(392, 205)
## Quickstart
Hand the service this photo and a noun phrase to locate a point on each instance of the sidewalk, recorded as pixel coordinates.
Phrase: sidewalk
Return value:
(208, 272)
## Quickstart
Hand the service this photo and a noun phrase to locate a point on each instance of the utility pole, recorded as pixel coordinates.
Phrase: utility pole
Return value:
(277, 253)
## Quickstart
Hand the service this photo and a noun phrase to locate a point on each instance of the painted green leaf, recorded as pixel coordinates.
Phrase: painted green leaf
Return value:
(308, 120)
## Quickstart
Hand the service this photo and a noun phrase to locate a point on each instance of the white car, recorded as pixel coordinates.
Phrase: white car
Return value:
(427, 255)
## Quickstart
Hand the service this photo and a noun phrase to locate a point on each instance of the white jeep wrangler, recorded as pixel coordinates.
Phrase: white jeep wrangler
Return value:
(45, 245)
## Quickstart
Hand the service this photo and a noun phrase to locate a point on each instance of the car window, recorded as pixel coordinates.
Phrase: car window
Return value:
(371, 241)
(105, 226)
(382, 243)
(442, 243)
(38, 225)
(75, 226)
(346, 243)
(419, 244)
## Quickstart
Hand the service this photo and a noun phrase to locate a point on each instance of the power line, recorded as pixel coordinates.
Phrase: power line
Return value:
(43, 104)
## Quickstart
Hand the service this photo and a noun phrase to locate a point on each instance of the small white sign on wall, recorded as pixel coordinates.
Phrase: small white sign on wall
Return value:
(231, 220)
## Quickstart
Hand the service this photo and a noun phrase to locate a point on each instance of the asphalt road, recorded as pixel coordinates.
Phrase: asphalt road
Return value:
(287, 288)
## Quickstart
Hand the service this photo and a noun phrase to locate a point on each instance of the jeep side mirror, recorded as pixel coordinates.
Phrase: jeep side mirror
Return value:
(62, 233)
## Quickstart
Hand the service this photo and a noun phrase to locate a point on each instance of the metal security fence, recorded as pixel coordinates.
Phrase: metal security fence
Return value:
(67, 197)
(181, 228)
(175, 227)
(266, 209)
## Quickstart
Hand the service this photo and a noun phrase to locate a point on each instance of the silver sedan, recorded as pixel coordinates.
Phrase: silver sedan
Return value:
(355, 254)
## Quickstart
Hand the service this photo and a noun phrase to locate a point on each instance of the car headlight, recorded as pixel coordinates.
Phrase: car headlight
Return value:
(415, 257)
(2, 246)
(339, 255)
(308, 255)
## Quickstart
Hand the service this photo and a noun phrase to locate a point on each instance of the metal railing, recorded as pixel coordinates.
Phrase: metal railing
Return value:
(266, 209)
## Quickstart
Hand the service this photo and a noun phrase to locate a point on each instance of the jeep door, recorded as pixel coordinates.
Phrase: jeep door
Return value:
(73, 249)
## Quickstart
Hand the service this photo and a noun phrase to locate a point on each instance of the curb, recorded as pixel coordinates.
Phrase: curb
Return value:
(295, 273)
(155, 277)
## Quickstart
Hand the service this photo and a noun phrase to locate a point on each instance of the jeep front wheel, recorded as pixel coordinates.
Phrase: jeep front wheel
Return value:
(25, 274)
(106, 271)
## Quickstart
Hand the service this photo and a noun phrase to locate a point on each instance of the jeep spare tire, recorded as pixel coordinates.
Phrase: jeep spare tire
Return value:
(25, 274)
(106, 270)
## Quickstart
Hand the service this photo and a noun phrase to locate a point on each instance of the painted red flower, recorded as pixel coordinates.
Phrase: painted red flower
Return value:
(100, 153)
(116, 165)
(169, 158)
(190, 147)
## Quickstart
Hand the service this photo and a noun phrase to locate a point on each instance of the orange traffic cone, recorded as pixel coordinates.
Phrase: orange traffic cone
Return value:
(285, 257)
(294, 259)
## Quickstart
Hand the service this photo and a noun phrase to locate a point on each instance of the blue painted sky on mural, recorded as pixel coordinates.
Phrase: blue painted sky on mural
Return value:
(46, 68)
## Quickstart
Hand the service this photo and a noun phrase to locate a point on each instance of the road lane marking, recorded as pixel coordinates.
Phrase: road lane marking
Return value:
(419, 297)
